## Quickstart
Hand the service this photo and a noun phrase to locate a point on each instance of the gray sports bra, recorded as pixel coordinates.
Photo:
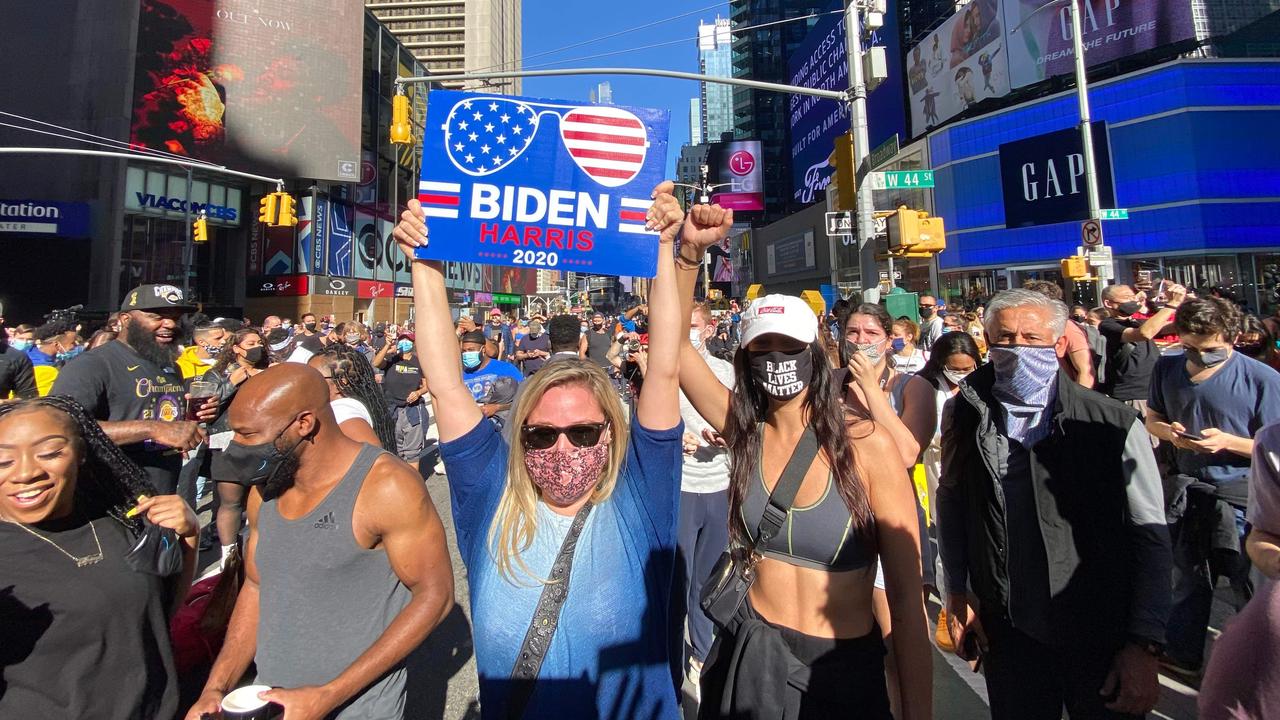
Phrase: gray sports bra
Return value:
(818, 536)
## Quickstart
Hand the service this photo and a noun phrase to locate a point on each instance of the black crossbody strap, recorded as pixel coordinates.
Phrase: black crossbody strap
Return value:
(784, 492)
(546, 618)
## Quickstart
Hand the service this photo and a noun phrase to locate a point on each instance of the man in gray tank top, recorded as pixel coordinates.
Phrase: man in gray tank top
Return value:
(346, 567)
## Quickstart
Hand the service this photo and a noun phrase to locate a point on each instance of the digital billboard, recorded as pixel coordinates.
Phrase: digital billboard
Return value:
(265, 85)
(735, 166)
(822, 62)
(1039, 41)
(958, 65)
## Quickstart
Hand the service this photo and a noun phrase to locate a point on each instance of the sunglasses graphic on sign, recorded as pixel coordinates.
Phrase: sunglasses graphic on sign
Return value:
(485, 135)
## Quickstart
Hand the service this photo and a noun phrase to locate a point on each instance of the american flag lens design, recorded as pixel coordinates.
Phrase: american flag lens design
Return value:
(484, 135)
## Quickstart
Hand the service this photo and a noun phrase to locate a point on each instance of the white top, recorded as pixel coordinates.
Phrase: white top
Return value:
(707, 469)
(345, 409)
(909, 364)
(300, 355)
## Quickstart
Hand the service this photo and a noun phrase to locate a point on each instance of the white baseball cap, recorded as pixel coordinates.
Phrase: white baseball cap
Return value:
(781, 314)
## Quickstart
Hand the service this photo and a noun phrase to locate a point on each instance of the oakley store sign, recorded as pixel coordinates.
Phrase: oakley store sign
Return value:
(164, 195)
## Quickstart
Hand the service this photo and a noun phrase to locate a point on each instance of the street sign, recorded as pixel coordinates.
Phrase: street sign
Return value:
(1100, 255)
(1091, 233)
(839, 223)
(1114, 214)
(902, 180)
(882, 225)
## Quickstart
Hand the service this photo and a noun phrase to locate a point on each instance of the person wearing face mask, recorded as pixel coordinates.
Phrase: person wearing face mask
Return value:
(533, 349)
(480, 373)
(17, 378)
(346, 565)
(1131, 354)
(1051, 514)
(54, 343)
(810, 608)
(404, 387)
(931, 325)
(1257, 342)
(206, 342)
(951, 359)
(906, 357)
(1209, 403)
(599, 341)
(568, 533)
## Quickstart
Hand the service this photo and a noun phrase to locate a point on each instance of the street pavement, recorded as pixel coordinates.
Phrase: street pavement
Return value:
(443, 684)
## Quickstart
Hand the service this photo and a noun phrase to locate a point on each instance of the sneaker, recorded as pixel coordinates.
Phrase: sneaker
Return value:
(942, 636)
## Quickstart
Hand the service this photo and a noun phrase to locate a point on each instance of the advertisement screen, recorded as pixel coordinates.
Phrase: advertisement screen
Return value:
(271, 86)
(958, 65)
(822, 62)
(1039, 41)
(736, 167)
(1043, 180)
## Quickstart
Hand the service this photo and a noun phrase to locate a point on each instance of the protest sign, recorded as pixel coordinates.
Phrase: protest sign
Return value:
(541, 183)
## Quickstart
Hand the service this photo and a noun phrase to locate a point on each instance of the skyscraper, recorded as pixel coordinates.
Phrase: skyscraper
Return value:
(715, 59)
(602, 93)
(452, 36)
(695, 121)
(762, 54)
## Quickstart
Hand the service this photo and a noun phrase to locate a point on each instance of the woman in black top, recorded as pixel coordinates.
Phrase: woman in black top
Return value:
(83, 636)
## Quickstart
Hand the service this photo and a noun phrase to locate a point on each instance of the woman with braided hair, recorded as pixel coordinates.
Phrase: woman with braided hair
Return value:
(355, 396)
(83, 630)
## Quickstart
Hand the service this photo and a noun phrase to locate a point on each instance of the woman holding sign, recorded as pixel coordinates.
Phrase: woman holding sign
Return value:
(815, 498)
(568, 535)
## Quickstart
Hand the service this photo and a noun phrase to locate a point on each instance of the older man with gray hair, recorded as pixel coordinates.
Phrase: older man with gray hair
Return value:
(1050, 512)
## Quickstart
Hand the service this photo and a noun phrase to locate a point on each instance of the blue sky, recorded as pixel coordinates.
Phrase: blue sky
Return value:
(553, 24)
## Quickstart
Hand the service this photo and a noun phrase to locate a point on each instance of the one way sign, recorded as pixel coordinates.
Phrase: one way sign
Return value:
(839, 223)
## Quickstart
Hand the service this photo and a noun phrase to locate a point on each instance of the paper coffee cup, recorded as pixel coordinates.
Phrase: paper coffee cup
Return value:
(244, 704)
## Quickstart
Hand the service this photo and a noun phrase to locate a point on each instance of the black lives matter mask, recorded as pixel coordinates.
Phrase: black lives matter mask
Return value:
(782, 375)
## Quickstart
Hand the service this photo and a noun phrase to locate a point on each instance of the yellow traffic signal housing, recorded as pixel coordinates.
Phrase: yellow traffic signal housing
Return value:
(846, 172)
(401, 130)
(288, 212)
(754, 291)
(200, 230)
(815, 301)
(1075, 267)
(916, 232)
(267, 209)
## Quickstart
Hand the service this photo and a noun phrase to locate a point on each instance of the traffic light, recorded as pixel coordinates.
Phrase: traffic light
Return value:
(267, 209)
(1075, 267)
(401, 130)
(288, 213)
(200, 230)
(846, 172)
(915, 232)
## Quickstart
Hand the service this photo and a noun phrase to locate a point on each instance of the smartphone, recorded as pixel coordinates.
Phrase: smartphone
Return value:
(970, 650)
(1188, 434)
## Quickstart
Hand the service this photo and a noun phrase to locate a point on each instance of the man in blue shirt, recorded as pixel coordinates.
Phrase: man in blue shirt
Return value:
(481, 374)
(1208, 403)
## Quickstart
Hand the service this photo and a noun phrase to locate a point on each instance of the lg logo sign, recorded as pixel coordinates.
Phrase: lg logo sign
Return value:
(742, 162)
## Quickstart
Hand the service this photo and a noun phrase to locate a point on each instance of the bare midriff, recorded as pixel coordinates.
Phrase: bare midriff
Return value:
(814, 602)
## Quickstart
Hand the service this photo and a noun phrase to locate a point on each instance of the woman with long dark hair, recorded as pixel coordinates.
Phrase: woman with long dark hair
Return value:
(355, 395)
(83, 633)
(243, 356)
(810, 605)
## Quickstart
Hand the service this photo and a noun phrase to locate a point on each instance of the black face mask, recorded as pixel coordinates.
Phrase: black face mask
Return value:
(264, 465)
(782, 375)
(311, 327)
(255, 355)
(1128, 308)
(1251, 349)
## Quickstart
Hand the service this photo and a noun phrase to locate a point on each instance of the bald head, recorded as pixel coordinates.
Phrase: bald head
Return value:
(279, 394)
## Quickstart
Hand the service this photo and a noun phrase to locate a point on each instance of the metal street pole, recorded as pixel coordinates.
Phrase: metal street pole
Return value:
(857, 99)
(188, 254)
(1086, 127)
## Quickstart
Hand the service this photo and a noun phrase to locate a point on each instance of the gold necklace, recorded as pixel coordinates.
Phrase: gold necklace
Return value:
(79, 561)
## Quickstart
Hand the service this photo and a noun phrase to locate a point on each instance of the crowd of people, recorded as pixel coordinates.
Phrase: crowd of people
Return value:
(756, 510)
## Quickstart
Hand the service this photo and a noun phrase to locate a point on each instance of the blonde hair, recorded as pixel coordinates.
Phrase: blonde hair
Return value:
(515, 521)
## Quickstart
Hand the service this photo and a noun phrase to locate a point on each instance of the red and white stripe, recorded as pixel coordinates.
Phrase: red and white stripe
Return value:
(608, 143)
(631, 215)
(439, 199)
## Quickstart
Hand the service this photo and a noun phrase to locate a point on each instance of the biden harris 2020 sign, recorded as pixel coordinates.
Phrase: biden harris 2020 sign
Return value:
(541, 183)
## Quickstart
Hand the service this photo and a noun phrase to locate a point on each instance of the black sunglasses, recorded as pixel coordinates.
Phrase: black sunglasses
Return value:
(541, 437)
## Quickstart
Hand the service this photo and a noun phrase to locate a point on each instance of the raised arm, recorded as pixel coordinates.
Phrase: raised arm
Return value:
(706, 225)
(658, 407)
(437, 343)
(1154, 326)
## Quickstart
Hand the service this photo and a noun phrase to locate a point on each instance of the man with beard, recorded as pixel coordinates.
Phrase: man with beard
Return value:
(17, 378)
(132, 386)
(346, 566)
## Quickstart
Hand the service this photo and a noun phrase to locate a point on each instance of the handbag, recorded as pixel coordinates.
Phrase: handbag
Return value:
(734, 572)
(158, 551)
(546, 618)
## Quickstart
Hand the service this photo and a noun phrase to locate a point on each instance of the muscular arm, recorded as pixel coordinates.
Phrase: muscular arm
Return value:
(128, 432)
(893, 503)
(398, 510)
(1082, 362)
(437, 344)
(1151, 328)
